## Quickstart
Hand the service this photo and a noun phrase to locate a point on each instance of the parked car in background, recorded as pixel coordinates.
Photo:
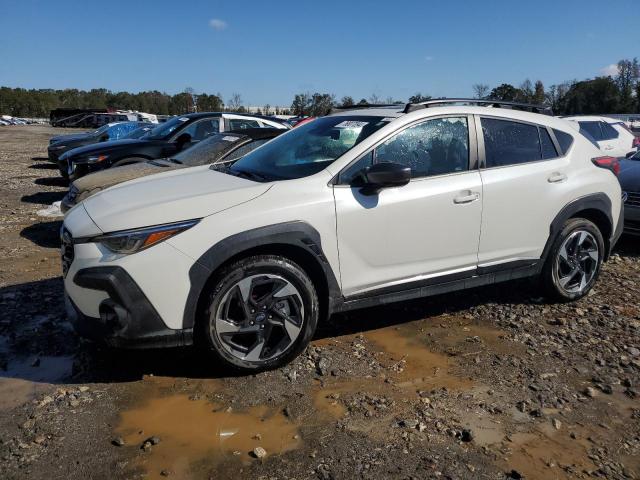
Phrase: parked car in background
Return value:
(221, 149)
(612, 135)
(165, 140)
(111, 131)
(141, 131)
(303, 121)
(630, 181)
(418, 200)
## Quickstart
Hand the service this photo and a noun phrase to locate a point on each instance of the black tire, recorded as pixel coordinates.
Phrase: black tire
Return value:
(551, 277)
(63, 172)
(128, 161)
(255, 269)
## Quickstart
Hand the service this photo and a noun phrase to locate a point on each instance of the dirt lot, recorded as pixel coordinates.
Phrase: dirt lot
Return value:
(491, 383)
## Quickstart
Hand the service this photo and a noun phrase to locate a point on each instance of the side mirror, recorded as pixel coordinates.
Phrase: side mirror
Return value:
(383, 175)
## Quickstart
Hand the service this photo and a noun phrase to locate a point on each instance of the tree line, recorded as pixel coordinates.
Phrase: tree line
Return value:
(619, 93)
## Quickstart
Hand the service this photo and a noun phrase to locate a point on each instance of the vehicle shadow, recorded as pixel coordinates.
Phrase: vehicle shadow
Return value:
(43, 198)
(52, 181)
(44, 166)
(43, 234)
(628, 246)
(40, 159)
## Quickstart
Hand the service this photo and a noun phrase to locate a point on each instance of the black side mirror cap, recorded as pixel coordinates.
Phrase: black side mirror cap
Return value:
(383, 175)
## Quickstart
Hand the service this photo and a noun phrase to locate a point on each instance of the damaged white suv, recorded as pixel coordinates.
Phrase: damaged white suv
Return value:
(356, 209)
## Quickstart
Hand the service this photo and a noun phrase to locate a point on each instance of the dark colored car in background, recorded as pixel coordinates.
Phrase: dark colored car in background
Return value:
(165, 140)
(629, 178)
(111, 131)
(220, 149)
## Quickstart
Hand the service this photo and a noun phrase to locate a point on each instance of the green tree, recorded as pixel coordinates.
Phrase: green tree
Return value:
(418, 97)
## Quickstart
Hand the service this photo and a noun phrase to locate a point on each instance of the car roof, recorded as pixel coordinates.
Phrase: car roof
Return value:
(592, 118)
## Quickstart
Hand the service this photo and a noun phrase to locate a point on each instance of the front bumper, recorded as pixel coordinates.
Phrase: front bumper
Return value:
(127, 318)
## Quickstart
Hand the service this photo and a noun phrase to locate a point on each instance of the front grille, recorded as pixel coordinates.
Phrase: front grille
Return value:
(633, 199)
(66, 250)
(632, 226)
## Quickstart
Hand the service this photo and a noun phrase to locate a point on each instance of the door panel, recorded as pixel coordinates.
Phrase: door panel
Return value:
(407, 233)
(521, 191)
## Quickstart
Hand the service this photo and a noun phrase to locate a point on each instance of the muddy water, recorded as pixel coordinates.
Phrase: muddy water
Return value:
(197, 430)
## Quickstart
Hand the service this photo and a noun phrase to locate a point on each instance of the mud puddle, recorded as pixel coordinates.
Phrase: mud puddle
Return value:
(195, 432)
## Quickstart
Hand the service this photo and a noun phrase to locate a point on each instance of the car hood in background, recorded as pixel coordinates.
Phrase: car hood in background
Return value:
(103, 147)
(113, 176)
(69, 138)
(629, 176)
(174, 196)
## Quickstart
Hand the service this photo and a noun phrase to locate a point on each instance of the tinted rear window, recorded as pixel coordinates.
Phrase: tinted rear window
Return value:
(548, 148)
(509, 143)
(608, 132)
(593, 129)
(564, 140)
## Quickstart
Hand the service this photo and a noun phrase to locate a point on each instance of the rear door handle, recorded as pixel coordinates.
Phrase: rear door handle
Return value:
(557, 177)
(466, 197)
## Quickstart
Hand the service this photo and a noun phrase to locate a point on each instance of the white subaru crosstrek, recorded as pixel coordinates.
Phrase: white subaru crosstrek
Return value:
(355, 209)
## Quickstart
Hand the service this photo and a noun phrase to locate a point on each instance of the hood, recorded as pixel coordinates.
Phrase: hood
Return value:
(69, 138)
(629, 176)
(174, 196)
(102, 147)
(112, 176)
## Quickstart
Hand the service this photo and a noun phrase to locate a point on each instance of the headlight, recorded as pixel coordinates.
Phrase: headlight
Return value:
(132, 241)
(95, 159)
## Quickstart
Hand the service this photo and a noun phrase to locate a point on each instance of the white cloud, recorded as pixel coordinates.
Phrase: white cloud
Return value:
(611, 70)
(428, 58)
(217, 24)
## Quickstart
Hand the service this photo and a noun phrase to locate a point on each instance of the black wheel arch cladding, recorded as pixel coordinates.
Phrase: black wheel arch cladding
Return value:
(597, 204)
(298, 235)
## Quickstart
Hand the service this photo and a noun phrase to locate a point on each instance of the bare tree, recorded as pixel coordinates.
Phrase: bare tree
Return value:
(374, 99)
(235, 102)
(480, 90)
(267, 109)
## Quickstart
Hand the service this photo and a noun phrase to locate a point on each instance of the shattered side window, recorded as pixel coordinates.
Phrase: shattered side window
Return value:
(434, 147)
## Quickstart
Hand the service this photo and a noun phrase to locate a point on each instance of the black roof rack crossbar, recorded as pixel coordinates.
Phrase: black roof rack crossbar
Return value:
(366, 105)
(529, 107)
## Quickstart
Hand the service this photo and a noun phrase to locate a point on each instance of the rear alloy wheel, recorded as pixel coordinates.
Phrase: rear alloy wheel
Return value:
(262, 313)
(574, 263)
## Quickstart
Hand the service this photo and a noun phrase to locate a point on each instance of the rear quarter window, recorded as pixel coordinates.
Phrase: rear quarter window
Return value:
(565, 140)
(608, 132)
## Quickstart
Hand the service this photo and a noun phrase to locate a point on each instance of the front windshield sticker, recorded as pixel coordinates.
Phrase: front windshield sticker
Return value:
(230, 139)
(351, 124)
(183, 119)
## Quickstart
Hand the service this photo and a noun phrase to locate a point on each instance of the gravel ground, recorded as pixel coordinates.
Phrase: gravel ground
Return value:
(492, 383)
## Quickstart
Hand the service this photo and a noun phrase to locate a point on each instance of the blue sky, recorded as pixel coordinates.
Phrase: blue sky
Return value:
(269, 50)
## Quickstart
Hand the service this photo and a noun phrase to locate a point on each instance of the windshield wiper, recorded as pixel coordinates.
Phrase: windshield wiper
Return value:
(248, 175)
(174, 160)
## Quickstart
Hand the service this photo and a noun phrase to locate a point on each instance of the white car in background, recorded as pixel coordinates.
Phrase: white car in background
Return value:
(356, 209)
(611, 134)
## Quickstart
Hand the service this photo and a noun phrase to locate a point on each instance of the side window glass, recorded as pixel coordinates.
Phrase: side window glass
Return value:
(509, 143)
(548, 148)
(593, 129)
(238, 124)
(243, 150)
(434, 147)
(201, 129)
(608, 132)
(564, 140)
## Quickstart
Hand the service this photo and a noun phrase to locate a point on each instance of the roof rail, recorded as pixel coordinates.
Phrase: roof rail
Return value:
(528, 107)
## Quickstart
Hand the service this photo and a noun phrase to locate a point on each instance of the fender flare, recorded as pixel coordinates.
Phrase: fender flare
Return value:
(595, 201)
(297, 233)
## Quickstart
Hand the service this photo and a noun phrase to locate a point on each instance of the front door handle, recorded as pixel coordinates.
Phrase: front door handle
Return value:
(466, 197)
(557, 177)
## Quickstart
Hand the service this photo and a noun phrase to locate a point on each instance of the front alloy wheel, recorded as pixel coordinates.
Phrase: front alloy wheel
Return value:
(259, 318)
(262, 312)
